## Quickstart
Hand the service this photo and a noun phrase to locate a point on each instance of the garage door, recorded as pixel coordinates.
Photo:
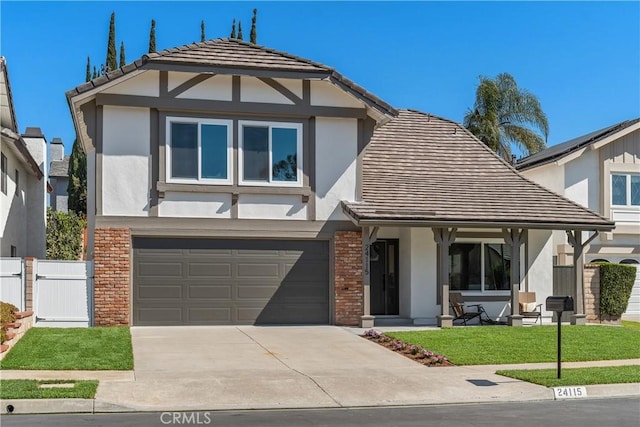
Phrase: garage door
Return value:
(220, 282)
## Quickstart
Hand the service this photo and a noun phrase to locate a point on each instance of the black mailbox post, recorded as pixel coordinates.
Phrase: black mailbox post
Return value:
(559, 303)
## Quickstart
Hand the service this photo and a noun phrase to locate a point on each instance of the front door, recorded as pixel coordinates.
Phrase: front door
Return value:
(384, 277)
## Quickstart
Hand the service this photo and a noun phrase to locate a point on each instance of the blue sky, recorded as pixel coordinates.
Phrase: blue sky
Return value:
(582, 59)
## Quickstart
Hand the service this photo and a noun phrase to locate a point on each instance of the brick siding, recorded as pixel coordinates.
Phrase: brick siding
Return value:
(111, 276)
(349, 292)
(592, 293)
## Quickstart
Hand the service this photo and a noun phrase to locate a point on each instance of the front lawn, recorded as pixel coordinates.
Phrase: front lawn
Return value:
(30, 389)
(489, 345)
(105, 348)
(631, 325)
(577, 376)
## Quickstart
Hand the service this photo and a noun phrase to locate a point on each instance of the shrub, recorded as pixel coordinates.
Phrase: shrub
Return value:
(7, 312)
(3, 335)
(616, 283)
(64, 235)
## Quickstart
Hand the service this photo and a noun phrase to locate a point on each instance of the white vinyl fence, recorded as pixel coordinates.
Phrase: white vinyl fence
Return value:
(63, 293)
(12, 285)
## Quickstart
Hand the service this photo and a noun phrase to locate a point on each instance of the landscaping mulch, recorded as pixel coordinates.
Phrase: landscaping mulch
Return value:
(413, 352)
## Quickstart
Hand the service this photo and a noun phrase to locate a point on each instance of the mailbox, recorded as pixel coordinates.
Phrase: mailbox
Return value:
(559, 303)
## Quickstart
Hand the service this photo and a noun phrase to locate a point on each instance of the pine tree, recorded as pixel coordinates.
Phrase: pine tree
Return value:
(123, 61)
(202, 36)
(253, 37)
(77, 187)
(88, 74)
(239, 30)
(152, 37)
(111, 45)
(233, 30)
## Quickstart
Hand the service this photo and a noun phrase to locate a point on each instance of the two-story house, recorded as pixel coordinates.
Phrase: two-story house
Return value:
(58, 176)
(601, 171)
(23, 184)
(229, 183)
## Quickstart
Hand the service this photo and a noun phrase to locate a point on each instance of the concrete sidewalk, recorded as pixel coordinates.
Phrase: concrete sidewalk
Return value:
(248, 367)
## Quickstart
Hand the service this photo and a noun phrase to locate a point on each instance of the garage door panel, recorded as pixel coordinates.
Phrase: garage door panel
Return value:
(210, 269)
(230, 281)
(209, 292)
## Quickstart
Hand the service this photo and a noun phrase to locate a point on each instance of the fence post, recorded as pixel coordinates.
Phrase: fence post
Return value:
(29, 278)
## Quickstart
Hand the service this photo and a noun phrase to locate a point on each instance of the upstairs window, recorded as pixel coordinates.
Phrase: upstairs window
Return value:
(625, 190)
(199, 150)
(270, 154)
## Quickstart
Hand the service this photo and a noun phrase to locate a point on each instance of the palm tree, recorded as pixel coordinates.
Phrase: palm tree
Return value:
(505, 115)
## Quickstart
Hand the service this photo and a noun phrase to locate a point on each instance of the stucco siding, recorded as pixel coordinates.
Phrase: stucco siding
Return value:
(125, 161)
(540, 260)
(336, 154)
(91, 202)
(582, 180)
(13, 210)
(549, 176)
(214, 88)
(143, 84)
(294, 86)
(258, 206)
(327, 94)
(424, 257)
(254, 90)
(195, 205)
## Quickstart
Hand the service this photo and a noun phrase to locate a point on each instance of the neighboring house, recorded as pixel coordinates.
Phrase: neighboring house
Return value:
(23, 187)
(600, 170)
(58, 176)
(229, 183)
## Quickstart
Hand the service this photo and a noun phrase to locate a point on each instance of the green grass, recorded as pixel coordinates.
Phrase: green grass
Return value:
(577, 376)
(29, 389)
(631, 325)
(488, 345)
(105, 348)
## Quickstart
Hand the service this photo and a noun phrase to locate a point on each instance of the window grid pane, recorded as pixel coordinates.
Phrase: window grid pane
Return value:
(497, 267)
(255, 149)
(466, 268)
(284, 148)
(213, 162)
(619, 190)
(184, 150)
(635, 190)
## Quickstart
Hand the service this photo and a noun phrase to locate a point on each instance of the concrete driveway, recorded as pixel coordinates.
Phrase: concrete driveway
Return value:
(249, 367)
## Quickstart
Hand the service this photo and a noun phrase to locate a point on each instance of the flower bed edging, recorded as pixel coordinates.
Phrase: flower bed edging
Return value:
(414, 352)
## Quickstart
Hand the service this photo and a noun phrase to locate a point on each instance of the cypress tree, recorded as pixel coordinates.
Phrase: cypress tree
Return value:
(202, 36)
(88, 73)
(152, 37)
(123, 61)
(233, 30)
(239, 30)
(77, 187)
(111, 45)
(95, 72)
(253, 37)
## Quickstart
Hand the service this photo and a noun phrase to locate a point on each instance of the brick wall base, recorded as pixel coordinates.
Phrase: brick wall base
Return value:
(349, 291)
(592, 293)
(111, 296)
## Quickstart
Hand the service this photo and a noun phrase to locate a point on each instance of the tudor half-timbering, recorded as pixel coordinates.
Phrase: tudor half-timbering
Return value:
(230, 183)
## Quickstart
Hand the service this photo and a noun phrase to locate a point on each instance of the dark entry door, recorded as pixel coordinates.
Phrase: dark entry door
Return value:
(384, 277)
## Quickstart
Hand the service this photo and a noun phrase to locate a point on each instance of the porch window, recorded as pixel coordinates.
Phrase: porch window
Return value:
(480, 266)
(270, 153)
(199, 150)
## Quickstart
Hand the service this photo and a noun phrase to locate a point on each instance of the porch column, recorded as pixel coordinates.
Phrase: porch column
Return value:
(514, 237)
(444, 237)
(369, 236)
(575, 240)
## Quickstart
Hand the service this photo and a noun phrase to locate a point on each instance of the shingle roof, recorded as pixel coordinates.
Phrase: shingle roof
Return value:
(59, 167)
(427, 169)
(236, 55)
(563, 149)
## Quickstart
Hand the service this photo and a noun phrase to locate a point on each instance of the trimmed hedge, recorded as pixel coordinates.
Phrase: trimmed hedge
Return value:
(616, 283)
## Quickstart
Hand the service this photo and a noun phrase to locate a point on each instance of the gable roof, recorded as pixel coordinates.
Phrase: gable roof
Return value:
(232, 56)
(60, 168)
(425, 170)
(563, 149)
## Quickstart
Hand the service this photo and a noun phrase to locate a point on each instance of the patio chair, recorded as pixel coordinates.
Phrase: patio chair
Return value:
(528, 306)
(459, 311)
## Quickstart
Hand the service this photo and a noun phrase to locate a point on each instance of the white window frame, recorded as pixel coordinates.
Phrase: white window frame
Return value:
(482, 243)
(200, 122)
(270, 182)
(628, 189)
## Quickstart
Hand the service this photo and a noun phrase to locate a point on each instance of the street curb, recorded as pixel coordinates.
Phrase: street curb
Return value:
(46, 406)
